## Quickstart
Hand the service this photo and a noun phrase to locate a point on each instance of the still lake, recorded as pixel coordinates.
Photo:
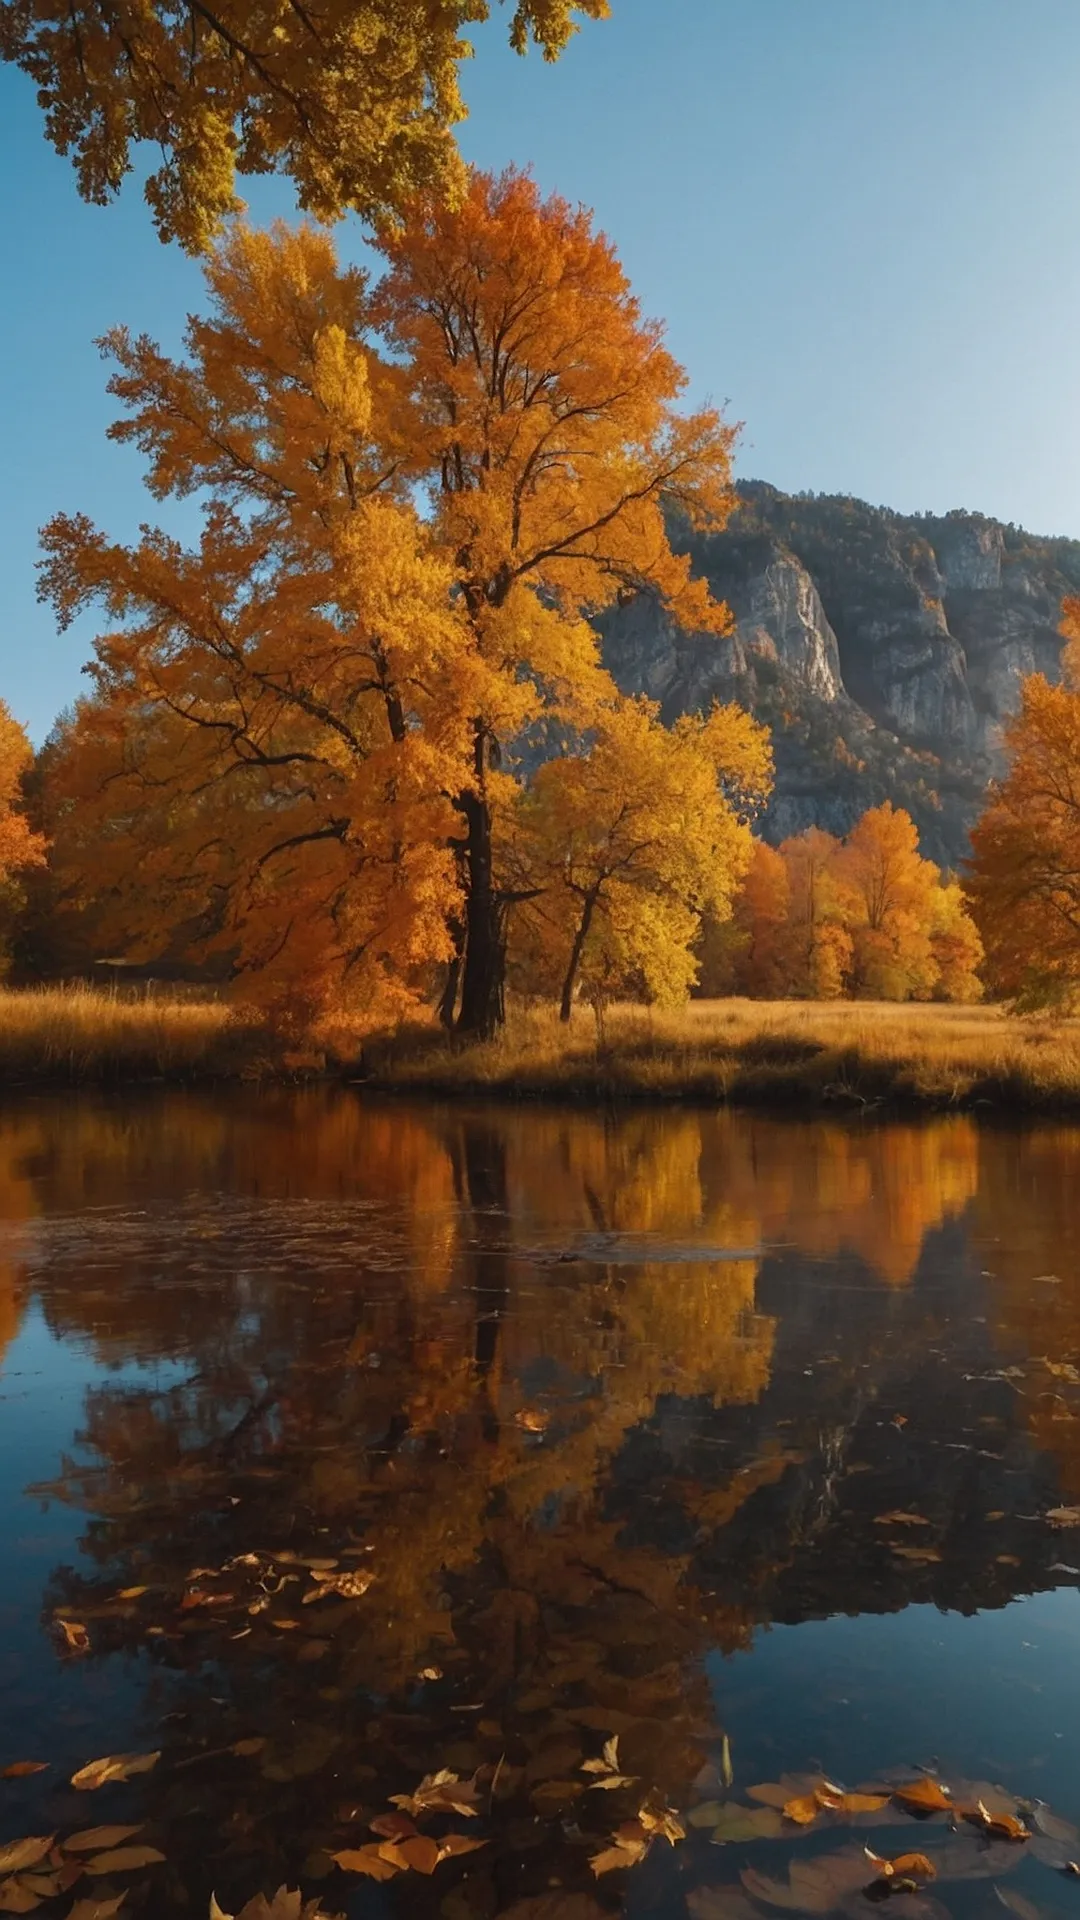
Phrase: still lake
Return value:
(343, 1442)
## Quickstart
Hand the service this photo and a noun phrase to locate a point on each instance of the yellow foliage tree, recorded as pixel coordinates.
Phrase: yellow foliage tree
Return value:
(354, 99)
(1024, 877)
(20, 846)
(630, 841)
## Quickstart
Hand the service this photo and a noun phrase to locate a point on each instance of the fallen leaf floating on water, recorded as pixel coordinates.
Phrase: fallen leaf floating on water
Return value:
(912, 1866)
(131, 1593)
(20, 1854)
(922, 1556)
(286, 1905)
(419, 1852)
(198, 1597)
(660, 1821)
(74, 1635)
(123, 1860)
(803, 1811)
(17, 1898)
(96, 1909)
(349, 1586)
(96, 1839)
(1072, 1866)
(629, 1844)
(1064, 1516)
(392, 1826)
(368, 1860)
(606, 1770)
(901, 1520)
(116, 1766)
(727, 1771)
(1004, 1826)
(835, 1801)
(923, 1796)
(441, 1792)
(20, 1769)
(532, 1419)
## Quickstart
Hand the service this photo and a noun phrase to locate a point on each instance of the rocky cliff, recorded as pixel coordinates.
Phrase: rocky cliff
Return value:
(885, 651)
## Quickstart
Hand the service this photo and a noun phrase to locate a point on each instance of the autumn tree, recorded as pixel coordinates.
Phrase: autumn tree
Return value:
(549, 441)
(631, 840)
(353, 99)
(21, 848)
(300, 747)
(819, 918)
(260, 770)
(1024, 876)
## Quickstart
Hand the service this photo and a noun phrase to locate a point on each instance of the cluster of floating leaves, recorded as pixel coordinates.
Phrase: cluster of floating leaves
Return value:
(970, 1831)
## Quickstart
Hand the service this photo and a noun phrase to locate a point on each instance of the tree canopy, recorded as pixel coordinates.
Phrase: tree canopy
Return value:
(309, 731)
(353, 99)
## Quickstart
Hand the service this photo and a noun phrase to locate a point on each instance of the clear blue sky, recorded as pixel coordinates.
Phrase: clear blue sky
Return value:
(859, 218)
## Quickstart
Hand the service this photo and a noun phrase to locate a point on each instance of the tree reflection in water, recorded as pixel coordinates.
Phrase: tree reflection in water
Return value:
(588, 1396)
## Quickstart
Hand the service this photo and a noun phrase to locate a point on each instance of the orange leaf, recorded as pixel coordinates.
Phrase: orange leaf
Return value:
(369, 1860)
(803, 1811)
(19, 1769)
(922, 1796)
(419, 1852)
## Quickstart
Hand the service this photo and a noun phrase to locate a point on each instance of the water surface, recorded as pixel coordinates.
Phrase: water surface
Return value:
(689, 1429)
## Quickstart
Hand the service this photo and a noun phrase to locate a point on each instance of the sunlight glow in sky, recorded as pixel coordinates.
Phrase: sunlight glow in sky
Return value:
(861, 223)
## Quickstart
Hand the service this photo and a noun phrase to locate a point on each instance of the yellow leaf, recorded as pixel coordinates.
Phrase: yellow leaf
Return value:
(803, 1811)
(922, 1796)
(369, 1860)
(24, 1853)
(95, 1839)
(116, 1766)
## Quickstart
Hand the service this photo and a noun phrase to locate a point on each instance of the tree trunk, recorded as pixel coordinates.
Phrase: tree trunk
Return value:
(483, 1004)
(567, 1005)
(448, 1000)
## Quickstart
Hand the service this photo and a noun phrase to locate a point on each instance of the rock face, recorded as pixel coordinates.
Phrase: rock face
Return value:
(885, 651)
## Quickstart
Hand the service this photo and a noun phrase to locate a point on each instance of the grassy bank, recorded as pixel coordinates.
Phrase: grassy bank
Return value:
(74, 1035)
(802, 1054)
(785, 1053)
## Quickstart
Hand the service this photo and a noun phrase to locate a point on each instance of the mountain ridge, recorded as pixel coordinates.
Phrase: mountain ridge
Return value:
(884, 650)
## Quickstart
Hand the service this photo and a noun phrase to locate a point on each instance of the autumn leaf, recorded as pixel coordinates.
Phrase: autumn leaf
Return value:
(803, 1811)
(20, 1769)
(17, 1898)
(923, 1556)
(1017, 1903)
(348, 1586)
(441, 1792)
(369, 1860)
(93, 1909)
(453, 1844)
(123, 1860)
(74, 1635)
(630, 1843)
(19, 1854)
(96, 1839)
(661, 1821)
(286, 1904)
(1003, 1826)
(901, 1519)
(392, 1826)
(419, 1853)
(1064, 1516)
(116, 1766)
(915, 1866)
(922, 1796)
(532, 1419)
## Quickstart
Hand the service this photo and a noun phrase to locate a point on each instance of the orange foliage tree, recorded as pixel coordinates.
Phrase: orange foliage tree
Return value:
(21, 848)
(1024, 876)
(354, 99)
(300, 749)
(546, 433)
(818, 918)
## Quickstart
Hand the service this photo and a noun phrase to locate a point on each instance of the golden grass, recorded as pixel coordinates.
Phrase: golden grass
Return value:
(798, 1053)
(79, 1033)
(794, 1053)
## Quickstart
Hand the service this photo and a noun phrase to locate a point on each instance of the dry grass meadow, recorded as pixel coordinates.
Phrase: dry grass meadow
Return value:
(802, 1054)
